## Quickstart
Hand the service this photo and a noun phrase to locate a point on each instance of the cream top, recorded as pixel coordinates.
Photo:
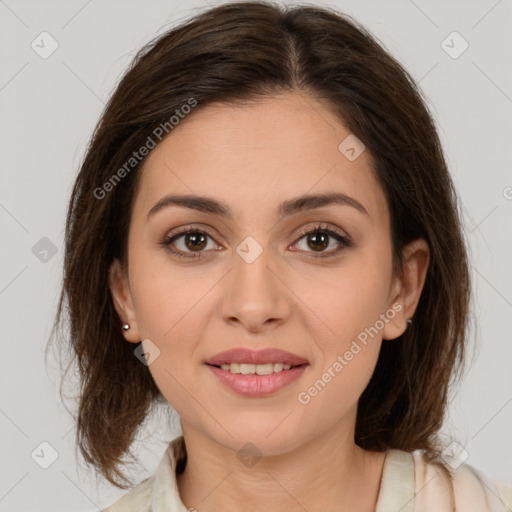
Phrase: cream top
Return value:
(408, 484)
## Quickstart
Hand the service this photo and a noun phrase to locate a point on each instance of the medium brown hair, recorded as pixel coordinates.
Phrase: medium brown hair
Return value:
(234, 53)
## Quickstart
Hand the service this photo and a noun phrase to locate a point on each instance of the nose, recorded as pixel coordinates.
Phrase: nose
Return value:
(254, 294)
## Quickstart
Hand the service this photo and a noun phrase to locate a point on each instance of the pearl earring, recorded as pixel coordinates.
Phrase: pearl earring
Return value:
(126, 327)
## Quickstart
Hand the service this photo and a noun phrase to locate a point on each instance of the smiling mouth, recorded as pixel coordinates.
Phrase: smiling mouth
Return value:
(256, 369)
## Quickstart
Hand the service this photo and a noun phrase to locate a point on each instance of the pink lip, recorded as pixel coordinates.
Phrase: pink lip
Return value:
(257, 385)
(245, 356)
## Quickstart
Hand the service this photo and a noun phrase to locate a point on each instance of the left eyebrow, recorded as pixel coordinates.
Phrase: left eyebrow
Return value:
(289, 207)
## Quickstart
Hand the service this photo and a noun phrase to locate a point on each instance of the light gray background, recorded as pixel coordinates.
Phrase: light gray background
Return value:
(49, 108)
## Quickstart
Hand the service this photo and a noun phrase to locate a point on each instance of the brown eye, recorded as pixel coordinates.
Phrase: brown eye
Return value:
(195, 241)
(188, 243)
(318, 239)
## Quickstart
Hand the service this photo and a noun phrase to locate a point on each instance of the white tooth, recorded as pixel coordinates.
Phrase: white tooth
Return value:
(259, 369)
(246, 369)
(264, 369)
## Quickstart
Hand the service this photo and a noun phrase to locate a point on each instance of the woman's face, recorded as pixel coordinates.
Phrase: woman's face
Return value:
(252, 279)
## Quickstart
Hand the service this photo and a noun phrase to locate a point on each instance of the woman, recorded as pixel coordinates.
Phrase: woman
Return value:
(264, 235)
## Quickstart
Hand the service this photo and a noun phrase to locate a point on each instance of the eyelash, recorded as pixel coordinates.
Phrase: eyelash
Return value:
(318, 229)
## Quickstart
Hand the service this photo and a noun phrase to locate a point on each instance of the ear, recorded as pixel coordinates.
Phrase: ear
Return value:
(406, 288)
(123, 302)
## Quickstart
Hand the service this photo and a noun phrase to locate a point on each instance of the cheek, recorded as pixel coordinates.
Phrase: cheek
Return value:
(171, 312)
(172, 327)
(347, 299)
(166, 296)
(351, 307)
(335, 390)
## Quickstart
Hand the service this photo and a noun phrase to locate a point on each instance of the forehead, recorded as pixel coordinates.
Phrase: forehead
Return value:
(255, 156)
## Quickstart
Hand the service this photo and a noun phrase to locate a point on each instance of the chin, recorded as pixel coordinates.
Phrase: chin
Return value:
(255, 438)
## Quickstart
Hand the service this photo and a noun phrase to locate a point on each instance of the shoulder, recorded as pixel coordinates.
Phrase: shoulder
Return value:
(137, 499)
(472, 489)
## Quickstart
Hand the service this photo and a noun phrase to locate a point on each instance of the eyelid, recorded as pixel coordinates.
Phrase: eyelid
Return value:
(332, 231)
(193, 228)
(174, 235)
(322, 226)
(318, 227)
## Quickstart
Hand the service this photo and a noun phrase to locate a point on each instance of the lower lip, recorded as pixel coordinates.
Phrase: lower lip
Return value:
(257, 385)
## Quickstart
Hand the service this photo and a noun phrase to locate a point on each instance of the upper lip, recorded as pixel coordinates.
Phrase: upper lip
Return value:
(246, 356)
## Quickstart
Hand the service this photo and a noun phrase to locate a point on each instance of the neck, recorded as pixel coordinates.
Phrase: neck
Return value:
(329, 472)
